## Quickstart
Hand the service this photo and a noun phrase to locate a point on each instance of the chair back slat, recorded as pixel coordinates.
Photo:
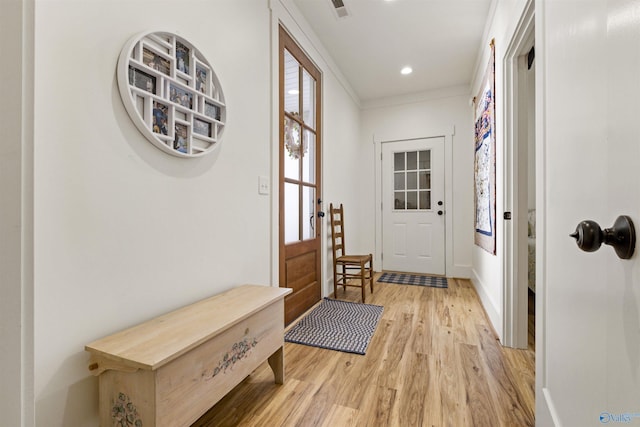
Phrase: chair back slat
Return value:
(337, 230)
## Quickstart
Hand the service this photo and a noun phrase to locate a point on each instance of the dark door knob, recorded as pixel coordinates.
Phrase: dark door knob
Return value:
(440, 212)
(622, 236)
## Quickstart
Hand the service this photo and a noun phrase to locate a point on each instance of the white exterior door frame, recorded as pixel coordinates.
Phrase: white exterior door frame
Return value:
(447, 132)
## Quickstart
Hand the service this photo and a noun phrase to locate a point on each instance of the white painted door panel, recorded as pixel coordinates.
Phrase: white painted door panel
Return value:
(413, 229)
(589, 358)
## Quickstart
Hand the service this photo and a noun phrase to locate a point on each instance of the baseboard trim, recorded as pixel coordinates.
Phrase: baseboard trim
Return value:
(461, 271)
(547, 412)
(492, 312)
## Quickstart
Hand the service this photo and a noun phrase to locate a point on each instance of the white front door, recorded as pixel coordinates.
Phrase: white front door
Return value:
(589, 357)
(413, 220)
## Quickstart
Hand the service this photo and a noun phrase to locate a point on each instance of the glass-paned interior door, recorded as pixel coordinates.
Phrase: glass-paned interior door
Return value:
(299, 152)
(299, 177)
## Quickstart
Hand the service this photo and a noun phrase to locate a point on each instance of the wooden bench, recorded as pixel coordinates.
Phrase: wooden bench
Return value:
(172, 369)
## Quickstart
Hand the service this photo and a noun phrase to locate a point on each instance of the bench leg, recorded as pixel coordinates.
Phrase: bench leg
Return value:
(276, 361)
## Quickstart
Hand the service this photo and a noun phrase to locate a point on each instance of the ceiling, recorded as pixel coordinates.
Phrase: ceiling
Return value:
(439, 39)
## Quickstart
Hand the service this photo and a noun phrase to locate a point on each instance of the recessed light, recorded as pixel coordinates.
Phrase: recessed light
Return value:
(406, 70)
(293, 92)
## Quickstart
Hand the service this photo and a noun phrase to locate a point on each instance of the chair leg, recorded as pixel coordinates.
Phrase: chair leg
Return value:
(335, 280)
(363, 282)
(371, 272)
(344, 278)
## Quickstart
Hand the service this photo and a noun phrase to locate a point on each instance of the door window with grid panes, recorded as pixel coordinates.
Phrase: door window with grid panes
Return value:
(412, 180)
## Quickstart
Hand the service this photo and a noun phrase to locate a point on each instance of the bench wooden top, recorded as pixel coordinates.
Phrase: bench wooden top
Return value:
(158, 341)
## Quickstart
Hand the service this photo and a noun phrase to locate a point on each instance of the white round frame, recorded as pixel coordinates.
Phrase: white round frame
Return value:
(171, 94)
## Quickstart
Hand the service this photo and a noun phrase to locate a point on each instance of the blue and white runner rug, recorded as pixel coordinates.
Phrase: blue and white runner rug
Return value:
(413, 279)
(337, 325)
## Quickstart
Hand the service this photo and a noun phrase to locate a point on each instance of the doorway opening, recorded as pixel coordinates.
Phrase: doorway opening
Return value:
(520, 187)
(530, 100)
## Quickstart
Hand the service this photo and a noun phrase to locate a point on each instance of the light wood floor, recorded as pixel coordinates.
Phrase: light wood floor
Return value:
(434, 361)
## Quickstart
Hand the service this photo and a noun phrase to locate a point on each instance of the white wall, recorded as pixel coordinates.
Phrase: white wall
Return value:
(125, 232)
(419, 115)
(122, 231)
(345, 171)
(16, 210)
(10, 210)
(487, 269)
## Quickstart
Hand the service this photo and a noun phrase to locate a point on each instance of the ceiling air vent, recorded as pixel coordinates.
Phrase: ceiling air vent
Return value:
(340, 9)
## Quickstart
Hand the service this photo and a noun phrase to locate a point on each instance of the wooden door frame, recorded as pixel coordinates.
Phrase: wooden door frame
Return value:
(446, 132)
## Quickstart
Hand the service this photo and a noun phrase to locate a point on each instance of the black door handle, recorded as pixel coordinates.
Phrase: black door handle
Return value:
(622, 236)
(440, 212)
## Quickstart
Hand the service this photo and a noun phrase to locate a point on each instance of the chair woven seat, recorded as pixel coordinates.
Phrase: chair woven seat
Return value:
(353, 259)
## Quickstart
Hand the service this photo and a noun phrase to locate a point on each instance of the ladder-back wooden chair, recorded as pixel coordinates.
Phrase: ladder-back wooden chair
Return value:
(348, 270)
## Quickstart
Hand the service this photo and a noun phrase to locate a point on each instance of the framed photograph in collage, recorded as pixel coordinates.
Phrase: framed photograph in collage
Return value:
(160, 118)
(201, 78)
(180, 138)
(202, 128)
(180, 96)
(154, 61)
(183, 57)
(212, 110)
(142, 80)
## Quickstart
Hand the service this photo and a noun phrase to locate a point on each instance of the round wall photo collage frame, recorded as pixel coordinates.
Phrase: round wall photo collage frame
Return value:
(171, 94)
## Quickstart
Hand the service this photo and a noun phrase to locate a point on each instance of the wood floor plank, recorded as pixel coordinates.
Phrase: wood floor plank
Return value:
(482, 409)
(502, 381)
(286, 405)
(339, 416)
(422, 327)
(450, 401)
(378, 407)
(413, 392)
(433, 361)
(394, 362)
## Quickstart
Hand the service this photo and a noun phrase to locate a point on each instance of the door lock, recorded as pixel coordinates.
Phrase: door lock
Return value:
(320, 213)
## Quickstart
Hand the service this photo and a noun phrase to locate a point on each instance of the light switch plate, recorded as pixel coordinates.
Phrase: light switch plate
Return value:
(263, 185)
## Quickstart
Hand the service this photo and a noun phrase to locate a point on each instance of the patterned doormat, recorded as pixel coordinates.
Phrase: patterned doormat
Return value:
(414, 279)
(337, 325)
